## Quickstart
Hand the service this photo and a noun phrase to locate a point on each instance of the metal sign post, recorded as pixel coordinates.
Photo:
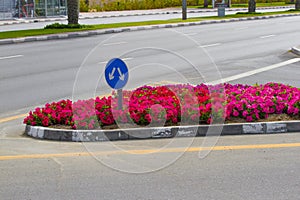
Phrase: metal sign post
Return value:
(120, 99)
(116, 75)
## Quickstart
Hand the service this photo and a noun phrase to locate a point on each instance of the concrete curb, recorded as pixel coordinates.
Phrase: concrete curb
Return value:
(296, 50)
(63, 18)
(162, 132)
(126, 29)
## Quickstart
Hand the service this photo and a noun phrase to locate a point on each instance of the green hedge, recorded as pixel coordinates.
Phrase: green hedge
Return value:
(115, 5)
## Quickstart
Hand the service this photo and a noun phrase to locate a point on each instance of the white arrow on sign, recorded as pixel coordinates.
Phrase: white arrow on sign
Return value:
(122, 76)
(111, 75)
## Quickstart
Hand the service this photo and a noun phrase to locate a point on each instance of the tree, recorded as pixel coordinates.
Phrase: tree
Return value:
(251, 6)
(297, 5)
(73, 11)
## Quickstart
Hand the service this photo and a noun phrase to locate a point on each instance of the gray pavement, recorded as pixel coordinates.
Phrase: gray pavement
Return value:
(249, 173)
(47, 71)
(236, 40)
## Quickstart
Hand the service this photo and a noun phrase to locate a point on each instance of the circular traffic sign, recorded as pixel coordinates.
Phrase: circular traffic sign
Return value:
(116, 73)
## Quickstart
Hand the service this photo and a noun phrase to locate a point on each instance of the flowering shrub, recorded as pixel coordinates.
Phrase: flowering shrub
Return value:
(171, 105)
(257, 102)
(54, 113)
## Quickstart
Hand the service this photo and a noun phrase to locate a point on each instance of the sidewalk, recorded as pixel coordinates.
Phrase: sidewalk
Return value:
(127, 13)
(164, 11)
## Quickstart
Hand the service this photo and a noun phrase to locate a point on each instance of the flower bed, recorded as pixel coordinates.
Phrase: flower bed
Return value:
(173, 105)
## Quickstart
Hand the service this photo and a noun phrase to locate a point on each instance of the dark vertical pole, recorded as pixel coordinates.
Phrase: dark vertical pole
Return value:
(19, 8)
(184, 10)
(297, 5)
(46, 10)
(33, 8)
(120, 99)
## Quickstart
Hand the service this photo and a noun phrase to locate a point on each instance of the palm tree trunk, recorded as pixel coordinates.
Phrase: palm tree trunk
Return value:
(297, 5)
(73, 11)
(205, 4)
(251, 6)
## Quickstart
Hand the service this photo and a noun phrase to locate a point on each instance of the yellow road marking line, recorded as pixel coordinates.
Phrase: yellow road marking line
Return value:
(148, 151)
(12, 118)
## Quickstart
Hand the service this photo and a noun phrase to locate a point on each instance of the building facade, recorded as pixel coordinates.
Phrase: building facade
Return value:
(10, 9)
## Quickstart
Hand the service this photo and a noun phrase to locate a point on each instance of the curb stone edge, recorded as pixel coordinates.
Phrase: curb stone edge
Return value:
(296, 50)
(161, 132)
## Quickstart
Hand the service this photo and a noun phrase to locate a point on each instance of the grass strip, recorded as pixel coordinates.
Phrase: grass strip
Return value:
(39, 32)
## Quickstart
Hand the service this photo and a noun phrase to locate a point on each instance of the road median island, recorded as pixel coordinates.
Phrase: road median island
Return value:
(171, 111)
(12, 37)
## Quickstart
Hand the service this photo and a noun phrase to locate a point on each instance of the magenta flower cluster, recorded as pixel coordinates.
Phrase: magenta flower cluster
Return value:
(172, 105)
(258, 102)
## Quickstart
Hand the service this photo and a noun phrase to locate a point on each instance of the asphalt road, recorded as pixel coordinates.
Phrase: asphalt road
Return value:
(247, 171)
(111, 20)
(35, 73)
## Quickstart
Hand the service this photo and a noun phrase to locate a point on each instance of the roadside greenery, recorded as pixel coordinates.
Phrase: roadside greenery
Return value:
(64, 26)
(60, 28)
(173, 105)
(245, 5)
(96, 5)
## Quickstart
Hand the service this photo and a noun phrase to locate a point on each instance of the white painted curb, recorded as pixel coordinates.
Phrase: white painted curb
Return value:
(161, 132)
(296, 50)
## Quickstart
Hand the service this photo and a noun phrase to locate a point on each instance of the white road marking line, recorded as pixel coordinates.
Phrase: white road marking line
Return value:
(210, 45)
(243, 28)
(103, 62)
(117, 43)
(266, 36)
(124, 59)
(256, 71)
(9, 57)
(164, 83)
(127, 58)
(191, 34)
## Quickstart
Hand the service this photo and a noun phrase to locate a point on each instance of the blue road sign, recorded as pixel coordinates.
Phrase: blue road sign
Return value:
(116, 73)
